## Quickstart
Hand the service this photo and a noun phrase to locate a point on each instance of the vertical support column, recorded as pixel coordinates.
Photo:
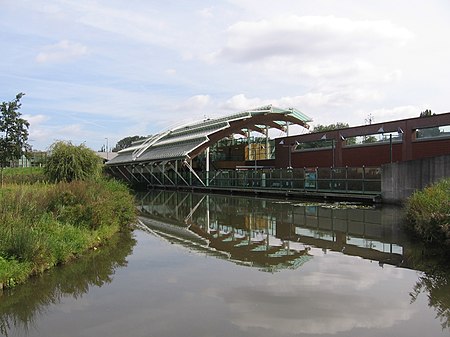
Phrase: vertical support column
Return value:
(207, 165)
(390, 147)
(267, 143)
(338, 148)
(409, 135)
(176, 172)
(249, 157)
(333, 147)
(208, 220)
(190, 172)
(363, 179)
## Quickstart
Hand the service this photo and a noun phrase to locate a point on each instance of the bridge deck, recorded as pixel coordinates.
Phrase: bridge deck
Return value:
(285, 193)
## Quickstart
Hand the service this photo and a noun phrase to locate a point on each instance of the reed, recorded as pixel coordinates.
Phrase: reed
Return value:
(428, 213)
(23, 175)
(42, 225)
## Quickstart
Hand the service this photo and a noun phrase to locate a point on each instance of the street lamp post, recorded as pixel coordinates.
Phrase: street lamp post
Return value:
(255, 149)
(107, 145)
(289, 146)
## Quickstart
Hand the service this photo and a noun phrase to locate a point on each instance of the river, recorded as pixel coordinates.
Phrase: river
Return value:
(215, 265)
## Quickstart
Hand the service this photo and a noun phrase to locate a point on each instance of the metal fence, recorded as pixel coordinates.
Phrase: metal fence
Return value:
(355, 180)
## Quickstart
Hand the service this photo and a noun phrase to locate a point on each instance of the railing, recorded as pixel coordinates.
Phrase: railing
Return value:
(346, 180)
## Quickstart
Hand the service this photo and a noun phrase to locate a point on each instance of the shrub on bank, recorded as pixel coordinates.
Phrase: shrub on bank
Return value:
(428, 213)
(68, 162)
(43, 225)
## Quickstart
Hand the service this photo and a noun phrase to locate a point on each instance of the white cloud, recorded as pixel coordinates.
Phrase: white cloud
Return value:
(195, 102)
(338, 295)
(35, 119)
(144, 25)
(146, 64)
(43, 135)
(206, 13)
(400, 112)
(308, 36)
(62, 51)
(241, 102)
(171, 71)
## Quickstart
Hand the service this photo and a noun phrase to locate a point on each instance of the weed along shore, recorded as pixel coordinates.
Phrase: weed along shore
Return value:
(428, 214)
(45, 224)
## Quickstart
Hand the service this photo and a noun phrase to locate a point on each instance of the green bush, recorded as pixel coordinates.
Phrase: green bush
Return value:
(13, 272)
(68, 162)
(428, 213)
(43, 225)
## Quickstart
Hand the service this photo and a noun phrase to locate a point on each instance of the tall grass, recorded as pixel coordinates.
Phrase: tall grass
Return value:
(43, 225)
(428, 213)
(23, 175)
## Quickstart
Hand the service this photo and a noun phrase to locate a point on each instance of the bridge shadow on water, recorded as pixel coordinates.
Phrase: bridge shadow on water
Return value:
(273, 234)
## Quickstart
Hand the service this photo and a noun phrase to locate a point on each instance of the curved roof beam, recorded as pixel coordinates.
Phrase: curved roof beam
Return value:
(237, 126)
(194, 138)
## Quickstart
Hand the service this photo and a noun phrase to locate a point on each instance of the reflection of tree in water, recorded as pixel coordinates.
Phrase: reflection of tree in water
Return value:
(20, 306)
(435, 281)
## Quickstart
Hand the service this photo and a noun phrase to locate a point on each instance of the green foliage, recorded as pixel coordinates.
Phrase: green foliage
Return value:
(428, 213)
(97, 267)
(434, 283)
(23, 175)
(13, 131)
(426, 113)
(369, 139)
(126, 142)
(13, 272)
(428, 132)
(43, 225)
(90, 205)
(68, 162)
(324, 128)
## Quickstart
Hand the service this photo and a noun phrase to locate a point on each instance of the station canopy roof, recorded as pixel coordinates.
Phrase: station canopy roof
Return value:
(188, 141)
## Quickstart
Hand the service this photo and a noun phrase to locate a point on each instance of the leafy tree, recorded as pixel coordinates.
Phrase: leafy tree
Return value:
(369, 139)
(13, 132)
(330, 127)
(68, 162)
(426, 113)
(428, 132)
(126, 142)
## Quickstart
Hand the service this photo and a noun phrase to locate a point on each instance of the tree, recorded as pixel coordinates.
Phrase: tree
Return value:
(426, 113)
(126, 142)
(428, 132)
(13, 132)
(330, 127)
(369, 139)
(68, 162)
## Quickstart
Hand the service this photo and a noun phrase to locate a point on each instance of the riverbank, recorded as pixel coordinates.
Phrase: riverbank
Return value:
(43, 225)
(428, 214)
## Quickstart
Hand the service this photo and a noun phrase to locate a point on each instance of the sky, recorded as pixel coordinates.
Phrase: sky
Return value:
(96, 71)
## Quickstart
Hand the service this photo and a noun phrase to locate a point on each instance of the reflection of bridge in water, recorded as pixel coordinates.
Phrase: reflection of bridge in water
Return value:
(270, 234)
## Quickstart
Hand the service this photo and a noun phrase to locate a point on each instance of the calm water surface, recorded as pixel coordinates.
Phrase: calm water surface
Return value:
(232, 266)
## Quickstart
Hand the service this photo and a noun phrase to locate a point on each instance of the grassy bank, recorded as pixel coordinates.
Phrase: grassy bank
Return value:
(23, 175)
(428, 214)
(42, 225)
